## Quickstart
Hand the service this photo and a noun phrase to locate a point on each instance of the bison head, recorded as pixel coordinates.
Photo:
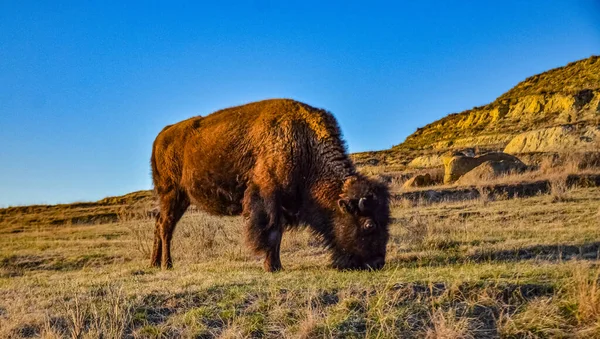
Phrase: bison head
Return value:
(361, 225)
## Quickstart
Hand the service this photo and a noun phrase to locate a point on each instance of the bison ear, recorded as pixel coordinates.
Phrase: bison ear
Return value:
(345, 206)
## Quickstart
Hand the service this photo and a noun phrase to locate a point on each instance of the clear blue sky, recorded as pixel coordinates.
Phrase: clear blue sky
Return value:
(85, 86)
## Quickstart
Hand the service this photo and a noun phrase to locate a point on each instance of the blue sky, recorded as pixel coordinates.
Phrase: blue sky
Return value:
(85, 86)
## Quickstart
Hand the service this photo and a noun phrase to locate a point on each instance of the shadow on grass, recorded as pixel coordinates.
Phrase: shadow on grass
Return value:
(497, 191)
(558, 252)
(217, 306)
(214, 309)
(16, 265)
(554, 252)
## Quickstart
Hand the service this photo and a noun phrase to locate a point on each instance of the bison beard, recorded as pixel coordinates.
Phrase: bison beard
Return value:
(281, 164)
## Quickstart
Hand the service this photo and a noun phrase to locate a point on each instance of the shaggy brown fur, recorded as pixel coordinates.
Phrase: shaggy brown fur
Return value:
(280, 163)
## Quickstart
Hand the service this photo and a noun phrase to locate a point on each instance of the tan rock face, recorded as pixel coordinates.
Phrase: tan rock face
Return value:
(420, 180)
(558, 139)
(489, 170)
(496, 123)
(458, 166)
(426, 161)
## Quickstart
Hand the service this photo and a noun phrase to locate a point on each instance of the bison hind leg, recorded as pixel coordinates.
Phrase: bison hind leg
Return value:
(157, 248)
(263, 229)
(173, 205)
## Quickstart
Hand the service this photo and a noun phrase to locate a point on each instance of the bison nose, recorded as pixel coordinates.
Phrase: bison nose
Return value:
(376, 264)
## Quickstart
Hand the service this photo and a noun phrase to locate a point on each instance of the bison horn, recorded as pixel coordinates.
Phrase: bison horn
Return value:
(361, 204)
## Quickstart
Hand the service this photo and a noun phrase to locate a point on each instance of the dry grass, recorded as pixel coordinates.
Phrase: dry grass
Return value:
(514, 268)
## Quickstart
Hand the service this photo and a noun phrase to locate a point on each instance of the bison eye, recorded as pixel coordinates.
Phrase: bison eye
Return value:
(369, 225)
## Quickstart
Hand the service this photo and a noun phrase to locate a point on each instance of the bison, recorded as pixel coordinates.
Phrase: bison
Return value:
(281, 164)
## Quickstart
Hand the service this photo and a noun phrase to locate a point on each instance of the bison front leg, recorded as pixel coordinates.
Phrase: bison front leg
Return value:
(263, 228)
(272, 261)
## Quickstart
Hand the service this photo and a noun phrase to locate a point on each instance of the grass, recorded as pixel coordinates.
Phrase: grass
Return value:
(519, 268)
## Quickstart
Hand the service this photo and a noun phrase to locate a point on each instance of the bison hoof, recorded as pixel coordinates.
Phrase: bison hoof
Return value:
(272, 267)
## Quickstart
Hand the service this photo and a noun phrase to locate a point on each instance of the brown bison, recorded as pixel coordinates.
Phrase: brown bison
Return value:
(281, 164)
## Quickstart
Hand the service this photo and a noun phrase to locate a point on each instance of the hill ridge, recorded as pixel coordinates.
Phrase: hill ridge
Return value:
(564, 95)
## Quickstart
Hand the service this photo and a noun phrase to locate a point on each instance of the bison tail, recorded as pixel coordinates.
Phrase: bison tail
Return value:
(154, 167)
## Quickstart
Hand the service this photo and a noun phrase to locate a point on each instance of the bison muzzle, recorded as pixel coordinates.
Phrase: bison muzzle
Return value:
(281, 164)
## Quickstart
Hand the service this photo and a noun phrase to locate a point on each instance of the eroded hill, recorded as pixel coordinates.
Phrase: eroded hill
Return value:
(565, 100)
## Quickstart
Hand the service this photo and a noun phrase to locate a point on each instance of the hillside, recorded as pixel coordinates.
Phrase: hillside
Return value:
(564, 96)
(111, 209)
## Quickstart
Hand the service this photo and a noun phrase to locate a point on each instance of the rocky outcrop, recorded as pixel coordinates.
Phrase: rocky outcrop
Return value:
(489, 170)
(559, 139)
(496, 124)
(419, 180)
(457, 166)
(426, 161)
(565, 95)
(543, 103)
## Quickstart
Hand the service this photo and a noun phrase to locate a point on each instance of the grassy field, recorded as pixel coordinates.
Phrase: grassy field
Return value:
(520, 268)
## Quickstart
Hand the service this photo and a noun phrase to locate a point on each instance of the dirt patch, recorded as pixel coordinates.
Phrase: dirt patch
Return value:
(27, 331)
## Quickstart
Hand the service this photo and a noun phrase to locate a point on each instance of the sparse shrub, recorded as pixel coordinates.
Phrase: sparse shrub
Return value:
(484, 195)
(586, 295)
(396, 183)
(232, 332)
(573, 163)
(559, 190)
(417, 230)
(142, 232)
(446, 325)
(547, 165)
(104, 312)
(308, 326)
(402, 203)
(200, 236)
(540, 318)
(423, 233)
